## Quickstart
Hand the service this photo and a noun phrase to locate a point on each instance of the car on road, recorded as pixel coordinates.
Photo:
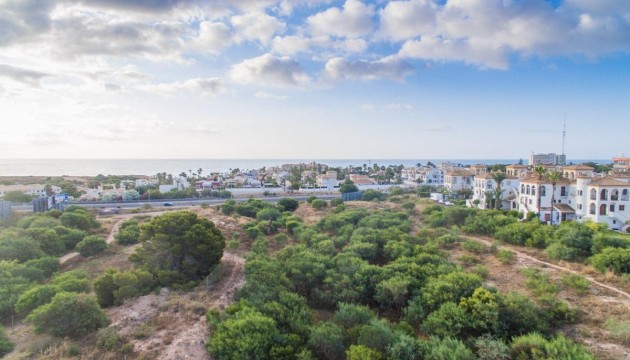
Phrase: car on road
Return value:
(168, 204)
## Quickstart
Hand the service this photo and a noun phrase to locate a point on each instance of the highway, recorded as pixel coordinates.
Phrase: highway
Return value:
(176, 202)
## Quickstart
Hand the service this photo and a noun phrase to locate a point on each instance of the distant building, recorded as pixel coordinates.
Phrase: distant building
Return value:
(547, 159)
(455, 180)
(327, 180)
(621, 164)
(485, 187)
(361, 180)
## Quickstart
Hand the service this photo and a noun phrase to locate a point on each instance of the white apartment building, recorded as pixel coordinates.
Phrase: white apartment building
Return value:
(547, 159)
(455, 180)
(604, 200)
(327, 180)
(485, 184)
(424, 175)
(533, 189)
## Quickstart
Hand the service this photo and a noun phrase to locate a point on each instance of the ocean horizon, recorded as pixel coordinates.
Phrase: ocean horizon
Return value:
(93, 167)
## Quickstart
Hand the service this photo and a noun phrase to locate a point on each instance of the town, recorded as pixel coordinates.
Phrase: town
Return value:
(547, 187)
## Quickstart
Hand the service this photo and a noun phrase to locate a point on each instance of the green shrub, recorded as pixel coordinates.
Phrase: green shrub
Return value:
(336, 202)
(481, 271)
(6, 346)
(612, 259)
(108, 339)
(468, 260)
(129, 233)
(91, 246)
(288, 204)
(34, 298)
(68, 314)
(620, 330)
(506, 256)
(576, 282)
(233, 244)
(114, 287)
(281, 238)
(535, 347)
(360, 352)
(474, 247)
(319, 204)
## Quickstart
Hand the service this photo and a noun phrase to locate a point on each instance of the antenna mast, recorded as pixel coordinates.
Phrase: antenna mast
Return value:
(564, 131)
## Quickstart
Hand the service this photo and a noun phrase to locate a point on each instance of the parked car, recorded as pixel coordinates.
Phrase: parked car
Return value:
(168, 204)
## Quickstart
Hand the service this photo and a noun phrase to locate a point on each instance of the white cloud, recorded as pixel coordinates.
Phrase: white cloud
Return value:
(26, 76)
(268, 69)
(468, 51)
(204, 87)
(406, 19)
(265, 95)
(256, 26)
(354, 20)
(388, 68)
(213, 37)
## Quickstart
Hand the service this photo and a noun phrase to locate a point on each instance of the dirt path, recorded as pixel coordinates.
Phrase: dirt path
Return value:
(112, 233)
(190, 343)
(554, 266)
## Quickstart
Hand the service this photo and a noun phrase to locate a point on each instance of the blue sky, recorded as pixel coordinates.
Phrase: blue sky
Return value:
(313, 78)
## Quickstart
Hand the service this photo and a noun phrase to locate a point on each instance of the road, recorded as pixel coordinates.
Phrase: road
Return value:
(176, 202)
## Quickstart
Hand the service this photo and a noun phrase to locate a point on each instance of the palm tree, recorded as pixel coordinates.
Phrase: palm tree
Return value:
(541, 171)
(498, 177)
(553, 177)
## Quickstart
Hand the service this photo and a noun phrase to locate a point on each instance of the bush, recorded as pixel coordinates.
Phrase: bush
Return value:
(108, 339)
(612, 259)
(114, 287)
(506, 257)
(179, 248)
(336, 202)
(318, 204)
(326, 342)
(281, 238)
(576, 282)
(6, 346)
(360, 352)
(288, 204)
(129, 233)
(535, 347)
(474, 247)
(91, 246)
(34, 298)
(68, 314)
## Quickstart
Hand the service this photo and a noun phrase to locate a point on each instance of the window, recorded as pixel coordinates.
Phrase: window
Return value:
(522, 189)
(602, 209)
(533, 190)
(543, 190)
(527, 189)
(612, 208)
(579, 206)
(614, 195)
(624, 195)
(622, 207)
(592, 209)
(603, 195)
(563, 191)
(593, 194)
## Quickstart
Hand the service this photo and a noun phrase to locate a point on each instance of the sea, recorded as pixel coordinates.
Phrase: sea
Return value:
(93, 167)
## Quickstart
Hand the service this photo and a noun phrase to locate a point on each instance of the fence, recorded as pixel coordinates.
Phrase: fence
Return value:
(352, 196)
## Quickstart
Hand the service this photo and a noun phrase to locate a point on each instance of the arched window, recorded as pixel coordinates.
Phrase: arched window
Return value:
(624, 195)
(592, 209)
(593, 194)
(614, 195)
(603, 195)
(602, 209)
(522, 189)
(543, 190)
(533, 189)
(527, 189)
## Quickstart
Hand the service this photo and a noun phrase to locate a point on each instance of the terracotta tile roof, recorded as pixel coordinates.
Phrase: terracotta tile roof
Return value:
(608, 181)
(564, 208)
(577, 167)
(459, 173)
(489, 176)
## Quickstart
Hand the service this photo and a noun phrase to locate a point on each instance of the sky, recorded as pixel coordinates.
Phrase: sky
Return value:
(461, 79)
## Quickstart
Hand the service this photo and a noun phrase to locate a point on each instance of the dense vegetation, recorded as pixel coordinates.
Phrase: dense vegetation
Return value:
(573, 241)
(382, 287)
